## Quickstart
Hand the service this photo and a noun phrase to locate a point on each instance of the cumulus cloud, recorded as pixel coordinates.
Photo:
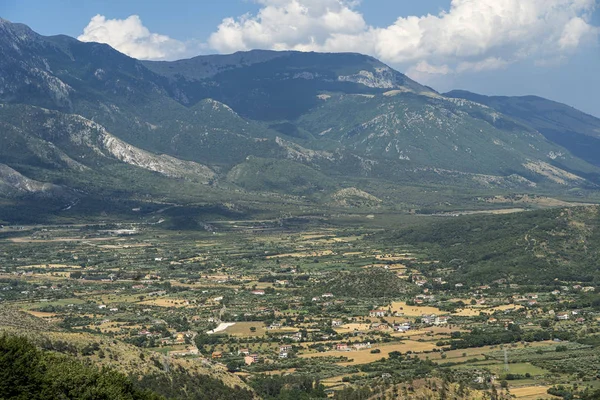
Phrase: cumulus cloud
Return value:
(131, 37)
(288, 24)
(472, 35)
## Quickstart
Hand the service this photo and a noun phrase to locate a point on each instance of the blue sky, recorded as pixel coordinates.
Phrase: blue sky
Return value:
(507, 47)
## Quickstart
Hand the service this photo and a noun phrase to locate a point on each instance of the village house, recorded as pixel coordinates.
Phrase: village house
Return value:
(402, 327)
(244, 352)
(378, 313)
(274, 325)
(217, 355)
(425, 298)
(326, 295)
(342, 347)
(428, 319)
(258, 292)
(361, 346)
(184, 353)
(443, 320)
(286, 348)
(380, 327)
(563, 316)
(336, 323)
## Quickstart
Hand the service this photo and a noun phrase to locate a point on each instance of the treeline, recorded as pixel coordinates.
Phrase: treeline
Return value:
(30, 373)
(288, 387)
(480, 338)
(369, 283)
(533, 247)
(180, 384)
(27, 372)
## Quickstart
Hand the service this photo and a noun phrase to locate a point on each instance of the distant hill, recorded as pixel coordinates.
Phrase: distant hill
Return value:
(539, 247)
(574, 130)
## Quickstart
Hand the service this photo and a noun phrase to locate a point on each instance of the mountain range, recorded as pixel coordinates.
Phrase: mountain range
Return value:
(82, 124)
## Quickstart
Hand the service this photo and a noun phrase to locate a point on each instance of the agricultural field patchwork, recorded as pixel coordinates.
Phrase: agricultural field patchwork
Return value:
(346, 305)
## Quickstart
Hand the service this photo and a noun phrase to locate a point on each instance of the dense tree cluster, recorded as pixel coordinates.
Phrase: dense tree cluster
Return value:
(29, 373)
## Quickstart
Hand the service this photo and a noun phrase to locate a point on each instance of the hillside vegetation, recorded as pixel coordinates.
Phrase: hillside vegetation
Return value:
(83, 125)
(540, 246)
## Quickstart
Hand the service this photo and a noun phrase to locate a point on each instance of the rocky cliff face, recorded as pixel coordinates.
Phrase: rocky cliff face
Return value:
(13, 183)
(163, 164)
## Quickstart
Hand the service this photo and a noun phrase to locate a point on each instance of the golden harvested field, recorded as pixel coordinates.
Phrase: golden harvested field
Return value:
(434, 331)
(469, 312)
(395, 257)
(506, 307)
(365, 356)
(169, 303)
(352, 328)
(532, 393)
(414, 311)
(41, 314)
(303, 254)
(116, 326)
(242, 329)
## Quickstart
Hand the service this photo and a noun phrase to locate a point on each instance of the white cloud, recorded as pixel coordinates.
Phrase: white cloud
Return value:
(288, 24)
(490, 63)
(574, 31)
(131, 37)
(472, 35)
